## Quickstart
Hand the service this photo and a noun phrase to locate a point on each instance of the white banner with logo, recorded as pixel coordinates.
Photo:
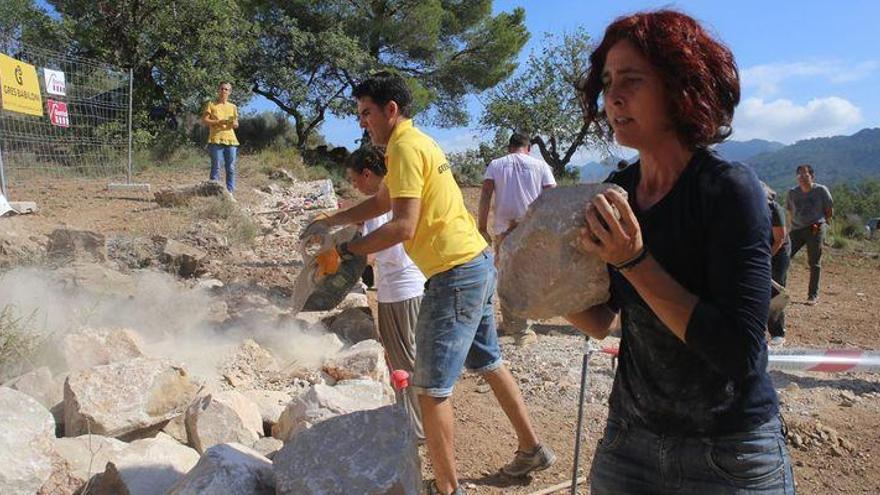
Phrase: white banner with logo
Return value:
(55, 84)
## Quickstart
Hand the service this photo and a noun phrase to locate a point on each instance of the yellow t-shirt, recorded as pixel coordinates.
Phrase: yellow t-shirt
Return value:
(222, 133)
(446, 235)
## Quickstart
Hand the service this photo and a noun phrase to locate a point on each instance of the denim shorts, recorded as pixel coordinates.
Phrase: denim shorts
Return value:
(456, 327)
(633, 460)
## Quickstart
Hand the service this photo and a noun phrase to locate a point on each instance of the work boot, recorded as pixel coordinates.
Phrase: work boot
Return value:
(524, 463)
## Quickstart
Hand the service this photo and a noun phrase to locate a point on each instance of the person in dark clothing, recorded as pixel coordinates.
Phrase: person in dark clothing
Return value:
(780, 250)
(692, 408)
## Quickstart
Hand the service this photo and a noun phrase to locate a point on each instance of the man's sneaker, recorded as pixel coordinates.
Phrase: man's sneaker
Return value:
(777, 341)
(525, 462)
(812, 300)
(431, 489)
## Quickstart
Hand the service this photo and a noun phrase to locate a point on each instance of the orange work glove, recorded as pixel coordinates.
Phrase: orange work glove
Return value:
(328, 262)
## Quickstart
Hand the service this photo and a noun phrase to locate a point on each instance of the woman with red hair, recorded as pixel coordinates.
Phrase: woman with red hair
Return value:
(692, 409)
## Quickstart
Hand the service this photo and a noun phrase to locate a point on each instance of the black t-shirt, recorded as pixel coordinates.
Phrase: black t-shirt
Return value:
(711, 233)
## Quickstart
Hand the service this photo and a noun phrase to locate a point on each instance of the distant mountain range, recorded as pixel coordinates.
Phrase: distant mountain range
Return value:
(837, 159)
(740, 151)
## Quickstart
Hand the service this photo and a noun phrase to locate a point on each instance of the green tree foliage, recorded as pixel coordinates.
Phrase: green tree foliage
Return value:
(540, 100)
(862, 199)
(310, 54)
(179, 51)
(23, 22)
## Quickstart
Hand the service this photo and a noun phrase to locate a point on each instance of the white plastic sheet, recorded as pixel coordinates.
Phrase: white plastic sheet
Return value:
(4, 206)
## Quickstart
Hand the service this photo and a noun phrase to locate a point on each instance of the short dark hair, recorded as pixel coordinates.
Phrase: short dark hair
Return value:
(383, 87)
(808, 168)
(519, 140)
(698, 72)
(368, 157)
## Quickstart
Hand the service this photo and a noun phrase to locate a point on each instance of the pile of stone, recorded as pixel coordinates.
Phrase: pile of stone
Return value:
(98, 413)
(285, 207)
(120, 421)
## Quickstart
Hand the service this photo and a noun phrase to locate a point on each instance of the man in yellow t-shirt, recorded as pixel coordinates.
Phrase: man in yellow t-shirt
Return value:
(221, 117)
(456, 324)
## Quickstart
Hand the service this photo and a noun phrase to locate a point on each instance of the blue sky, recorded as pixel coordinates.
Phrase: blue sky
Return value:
(809, 68)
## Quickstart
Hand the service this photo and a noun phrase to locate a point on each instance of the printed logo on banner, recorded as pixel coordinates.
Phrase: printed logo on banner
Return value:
(58, 113)
(21, 87)
(55, 83)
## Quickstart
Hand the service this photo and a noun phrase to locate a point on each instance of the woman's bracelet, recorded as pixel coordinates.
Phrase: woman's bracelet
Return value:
(632, 262)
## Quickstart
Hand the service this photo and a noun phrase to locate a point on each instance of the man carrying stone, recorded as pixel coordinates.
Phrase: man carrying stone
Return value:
(399, 282)
(456, 324)
(810, 209)
(516, 179)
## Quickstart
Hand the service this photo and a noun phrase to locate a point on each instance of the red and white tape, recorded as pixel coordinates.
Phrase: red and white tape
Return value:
(820, 360)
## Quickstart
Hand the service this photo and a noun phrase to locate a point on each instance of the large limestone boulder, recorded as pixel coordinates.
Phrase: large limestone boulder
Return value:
(121, 398)
(176, 428)
(183, 259)
(268, 446)
(26, 432)
(62, 481)
(223, 417)
(40, 385)
(96, 279)
(67, 243)
(354, 325)
(322, 402)
(89, 347)
(228, 469)
(87, 455)
(182, 195)
(366, 359)
(362, 452)
(542, 273)
(270, 403)
(149, 466)
(356, 300)
(249, 365)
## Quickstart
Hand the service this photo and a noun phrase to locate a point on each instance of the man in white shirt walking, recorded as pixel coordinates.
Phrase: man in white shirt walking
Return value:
(399, 282)
(516, 179)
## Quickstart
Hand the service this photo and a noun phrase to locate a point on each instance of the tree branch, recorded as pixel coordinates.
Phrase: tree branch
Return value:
(578, 141)
(274, 99)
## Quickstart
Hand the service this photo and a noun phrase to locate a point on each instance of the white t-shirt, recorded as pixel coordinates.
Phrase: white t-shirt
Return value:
(519, 179)
(397, 277)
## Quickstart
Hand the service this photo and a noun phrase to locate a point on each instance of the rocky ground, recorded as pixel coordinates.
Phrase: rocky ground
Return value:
(216, 302)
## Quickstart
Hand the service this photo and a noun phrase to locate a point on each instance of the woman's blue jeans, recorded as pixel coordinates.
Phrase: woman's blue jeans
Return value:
(632, 460)
(227, 154)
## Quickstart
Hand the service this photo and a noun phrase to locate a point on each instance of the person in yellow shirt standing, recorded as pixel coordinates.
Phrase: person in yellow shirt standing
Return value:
(456, 323)
(221, 117)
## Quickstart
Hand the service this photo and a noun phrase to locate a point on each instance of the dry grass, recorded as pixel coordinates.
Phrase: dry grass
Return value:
(19, 341)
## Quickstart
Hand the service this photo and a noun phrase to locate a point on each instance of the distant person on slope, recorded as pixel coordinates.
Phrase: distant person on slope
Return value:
(810, 209)
(221, 117)
(516, 179)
